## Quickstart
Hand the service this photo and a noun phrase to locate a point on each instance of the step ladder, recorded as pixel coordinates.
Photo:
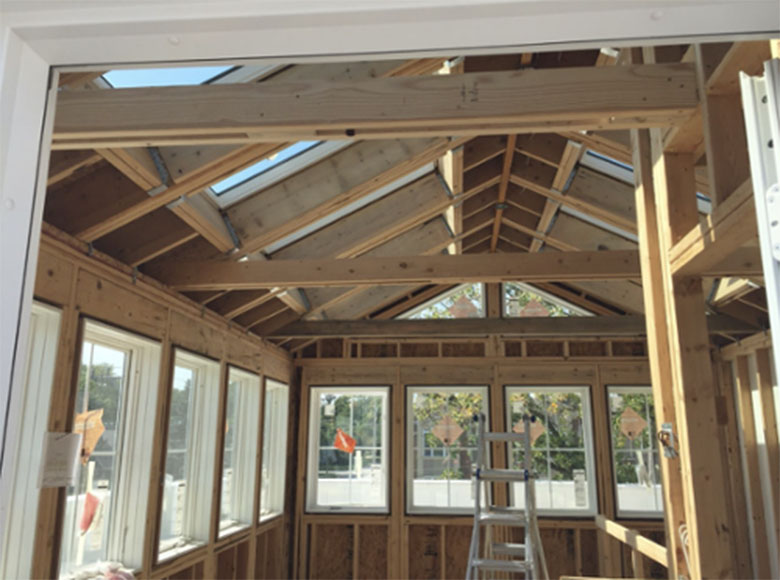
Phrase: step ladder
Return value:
(499, 558)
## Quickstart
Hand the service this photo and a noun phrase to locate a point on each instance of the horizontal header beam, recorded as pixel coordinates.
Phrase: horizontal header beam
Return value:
(422, 270)
(580, 326)
(526, 101)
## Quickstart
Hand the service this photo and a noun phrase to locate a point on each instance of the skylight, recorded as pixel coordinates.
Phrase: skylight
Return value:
(262, 166)
(163, 77)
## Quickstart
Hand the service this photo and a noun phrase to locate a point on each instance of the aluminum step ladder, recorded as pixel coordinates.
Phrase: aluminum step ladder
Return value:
(500, 558)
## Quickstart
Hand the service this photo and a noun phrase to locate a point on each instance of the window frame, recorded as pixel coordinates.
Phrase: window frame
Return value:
(41, 361)
(411, 509)
(312, 458)
(628, 514)
(206, 473)
(134, 451)
(247, 449)
(282, 458)
(588, 437)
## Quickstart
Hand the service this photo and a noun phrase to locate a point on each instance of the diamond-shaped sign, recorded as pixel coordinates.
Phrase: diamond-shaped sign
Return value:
(90, 425)
(631, 423)
(536, 429)
(447, 430)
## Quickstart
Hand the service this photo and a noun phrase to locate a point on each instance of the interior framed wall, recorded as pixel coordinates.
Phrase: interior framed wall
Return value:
(401, 544)
(86, 286)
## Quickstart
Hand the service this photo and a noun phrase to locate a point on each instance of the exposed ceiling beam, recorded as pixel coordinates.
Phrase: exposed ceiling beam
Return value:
(193, 184)
(328, 186)
(506, 170)
(546, 267)
(546, 100)
(590, 326)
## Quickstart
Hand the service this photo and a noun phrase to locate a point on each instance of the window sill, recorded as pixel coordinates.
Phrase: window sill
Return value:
(182, 546)
(232, 528)
(97, 570)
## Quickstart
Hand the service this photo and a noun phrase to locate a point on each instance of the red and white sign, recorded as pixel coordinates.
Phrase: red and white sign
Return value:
(344, 441)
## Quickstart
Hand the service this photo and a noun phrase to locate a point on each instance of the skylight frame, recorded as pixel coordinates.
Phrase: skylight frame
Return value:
(277, 173)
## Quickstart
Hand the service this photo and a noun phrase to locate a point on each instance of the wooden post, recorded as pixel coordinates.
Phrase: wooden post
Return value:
(658, 341)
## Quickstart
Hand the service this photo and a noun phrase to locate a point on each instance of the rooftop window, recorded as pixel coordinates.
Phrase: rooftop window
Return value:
(163, 77)
(262, 166)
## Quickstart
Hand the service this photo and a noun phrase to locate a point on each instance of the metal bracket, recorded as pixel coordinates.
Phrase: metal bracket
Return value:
(773, 217)
(668, 441)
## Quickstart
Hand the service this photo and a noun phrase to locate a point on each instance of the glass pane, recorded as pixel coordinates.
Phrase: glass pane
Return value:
(189, 477)
(240, 450)
(560, 439)
(350, 459)
(274, 449)
(635, 452)
(174, 493)
(90, 505)
(521, 301)
(465, 301)
(443, 445)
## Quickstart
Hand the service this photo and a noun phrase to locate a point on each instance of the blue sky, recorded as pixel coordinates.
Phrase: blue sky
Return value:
(162, 77)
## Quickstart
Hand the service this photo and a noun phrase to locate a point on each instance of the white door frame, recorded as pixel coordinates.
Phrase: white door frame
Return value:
(35, 36)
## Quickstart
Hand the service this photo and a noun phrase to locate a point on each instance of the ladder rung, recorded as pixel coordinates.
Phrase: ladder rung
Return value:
(501, 519)
(499, 509)
(501, 475)
(508, 549)
(501, 565)
(501, 436)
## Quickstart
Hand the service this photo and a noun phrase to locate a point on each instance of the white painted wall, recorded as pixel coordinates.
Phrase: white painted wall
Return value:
(35, 35)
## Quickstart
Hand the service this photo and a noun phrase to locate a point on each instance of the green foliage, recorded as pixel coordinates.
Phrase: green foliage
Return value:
(563, 439)
(625, 450)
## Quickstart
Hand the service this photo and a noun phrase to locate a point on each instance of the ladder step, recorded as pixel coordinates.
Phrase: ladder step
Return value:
(501, 565)
(502, 519)
(508, 437)
(501, 475)
(499, 509)
(508, 549)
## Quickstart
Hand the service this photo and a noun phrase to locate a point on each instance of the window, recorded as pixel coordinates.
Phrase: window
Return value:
(274, 449)
(189, 461)
(239, 452)
(442, 440)
(105, 512)
(465, 301)
(163, 77)
(523, 300)
(32, 426)
(562, 448)
(635, 452)
(348, 450)
(262, 166)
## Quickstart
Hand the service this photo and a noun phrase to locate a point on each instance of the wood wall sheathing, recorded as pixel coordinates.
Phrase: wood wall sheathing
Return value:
(475, 348)
(401, 545)
(86, 284)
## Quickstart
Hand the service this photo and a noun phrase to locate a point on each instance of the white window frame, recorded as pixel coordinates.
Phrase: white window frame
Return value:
(18, 540)
(632, 390)
(587, 440)
(244, 452)
(276, 413)
(135, 442)
(313, 448)
(196, 525)
(410, 391)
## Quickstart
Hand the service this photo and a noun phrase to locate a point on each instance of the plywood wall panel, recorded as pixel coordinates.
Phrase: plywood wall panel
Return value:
(331, 551)
(424, 546)
(372, 552)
